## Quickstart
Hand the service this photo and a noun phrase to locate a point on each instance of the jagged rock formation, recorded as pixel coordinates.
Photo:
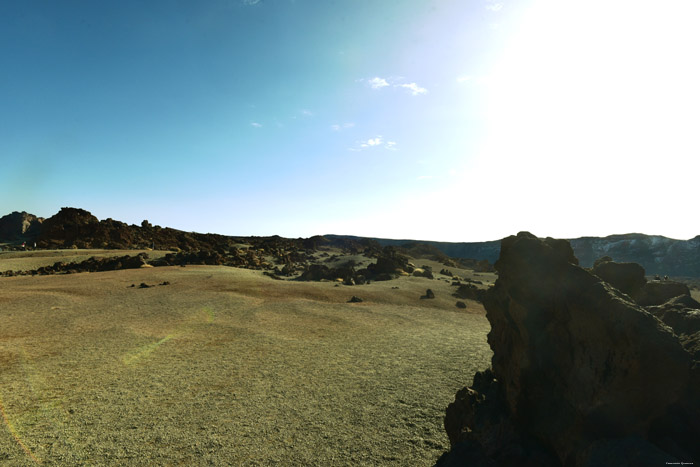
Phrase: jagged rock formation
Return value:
(19, 226)
(582, 375)
(72, 227)
(389, 265)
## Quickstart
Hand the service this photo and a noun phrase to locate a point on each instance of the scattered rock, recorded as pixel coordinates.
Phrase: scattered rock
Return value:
(428, 294)
(144, 285)
(421, 272)
(164, 283)
(460, 304)
(355, 299)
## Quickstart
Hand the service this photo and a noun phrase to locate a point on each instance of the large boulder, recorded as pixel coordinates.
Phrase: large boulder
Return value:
(584, 372)
(626, 277)
(390, 262)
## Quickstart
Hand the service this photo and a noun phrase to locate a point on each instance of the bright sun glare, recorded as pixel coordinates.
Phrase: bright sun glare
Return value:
(595, 106)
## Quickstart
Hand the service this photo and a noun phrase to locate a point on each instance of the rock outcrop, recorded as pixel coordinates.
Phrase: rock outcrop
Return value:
(470, 292)
(391, 262)
(581, 374)
(19, 226)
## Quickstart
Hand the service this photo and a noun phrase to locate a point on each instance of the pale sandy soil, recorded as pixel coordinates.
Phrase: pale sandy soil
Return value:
(225, 366)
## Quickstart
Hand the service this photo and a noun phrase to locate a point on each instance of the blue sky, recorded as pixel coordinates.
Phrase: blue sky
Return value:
(442, 120)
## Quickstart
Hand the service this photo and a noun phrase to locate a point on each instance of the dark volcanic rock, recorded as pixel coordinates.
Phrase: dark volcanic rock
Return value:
(579, 369)
(460, 304)
(626, 277)
(391, 262)
(482, 432)
(19, 226)
(355, 299)
(470, 292)
(658, 292)
(316, 272)
(428, 294)
(65, 227)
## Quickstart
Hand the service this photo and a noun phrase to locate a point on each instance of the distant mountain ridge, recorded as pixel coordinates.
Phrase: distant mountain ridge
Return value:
(72, 227)
(657, 254)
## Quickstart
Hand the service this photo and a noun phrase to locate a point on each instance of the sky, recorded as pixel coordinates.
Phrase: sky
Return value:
(447, 120)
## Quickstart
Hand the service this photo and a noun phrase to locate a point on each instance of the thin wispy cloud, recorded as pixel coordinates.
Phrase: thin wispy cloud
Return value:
(372, 142)
(377, 83)
(250, 2)
(494, 6)
(396, 82)
(413, 88)
(256, 124)
(344, 126)
(306, 113)
(376, 142)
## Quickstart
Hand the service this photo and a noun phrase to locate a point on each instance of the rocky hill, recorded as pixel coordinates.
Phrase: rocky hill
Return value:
(78, 228)
(19, 226)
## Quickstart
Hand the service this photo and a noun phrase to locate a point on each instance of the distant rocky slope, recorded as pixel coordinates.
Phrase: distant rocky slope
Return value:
(590, 367)
(657, 254)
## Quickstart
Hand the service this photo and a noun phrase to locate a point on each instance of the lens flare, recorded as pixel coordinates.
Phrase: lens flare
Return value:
(14, 433)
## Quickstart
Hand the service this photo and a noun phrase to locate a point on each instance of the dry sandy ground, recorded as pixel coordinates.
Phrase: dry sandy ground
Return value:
(225, 366)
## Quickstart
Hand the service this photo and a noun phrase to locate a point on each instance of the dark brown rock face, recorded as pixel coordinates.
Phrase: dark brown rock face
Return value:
(659, 292)
(19, 225)
(580, 372)
(66, 226)
(625, 277)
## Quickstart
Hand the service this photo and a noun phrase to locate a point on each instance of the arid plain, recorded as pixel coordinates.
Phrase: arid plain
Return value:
(223, 365)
